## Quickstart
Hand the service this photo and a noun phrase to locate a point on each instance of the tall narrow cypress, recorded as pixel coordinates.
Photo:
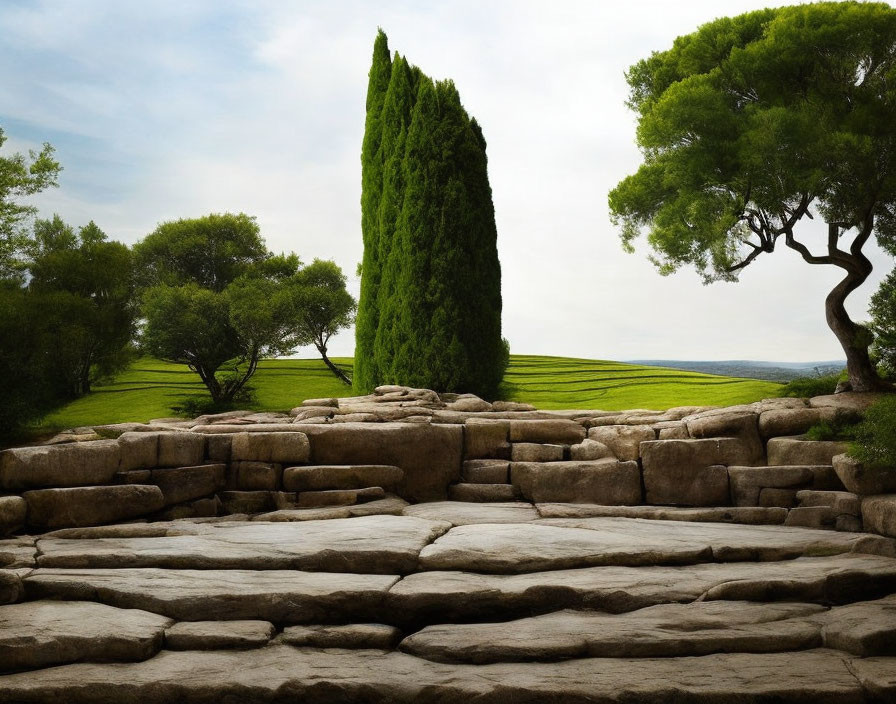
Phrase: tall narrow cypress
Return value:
(431, 301)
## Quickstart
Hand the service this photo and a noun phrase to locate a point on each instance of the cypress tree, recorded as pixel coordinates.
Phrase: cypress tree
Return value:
(438, 279)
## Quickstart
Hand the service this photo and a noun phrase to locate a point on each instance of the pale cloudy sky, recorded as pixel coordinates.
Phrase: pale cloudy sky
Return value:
(161, 110)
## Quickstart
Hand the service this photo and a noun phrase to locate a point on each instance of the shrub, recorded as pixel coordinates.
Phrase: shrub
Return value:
(875, 443)
(808, 386)
(832, 430)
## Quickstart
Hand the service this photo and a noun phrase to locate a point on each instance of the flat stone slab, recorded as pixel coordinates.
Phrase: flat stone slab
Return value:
(372, 544)
(217, 635)
(666, 630)
(433, 597)
(390, 506)
(462, 513)
(750, 515)
(341, 477)
(281, 672)
(877, 676)
(281, 596)
(567, 543)
(18, 552)
(864, 628)
(42, 633)
(353, 635)
(91, 505)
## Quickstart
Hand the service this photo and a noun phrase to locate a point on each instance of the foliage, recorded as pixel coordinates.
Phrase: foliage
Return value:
(430, 307)
(809, 386)
(749, 124)
(218, 314)
(836, 429)
(876, 435)
(883, 323)
(322, 307)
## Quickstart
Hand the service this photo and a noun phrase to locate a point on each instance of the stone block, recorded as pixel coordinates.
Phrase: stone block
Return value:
(283, 448)
(181, 449)
(256, 501)
(255, 476)
(485, 438)
(590, 450)
(217, 635)
(134, 476)
(609, 482)
(358, 476)
(859, 479)
(796, 450)
(91, 505)
(535, 452)
(74, 464)
(748, 482)
(217, 447)
(879, 514)
(840, 502)
(623, 440)
(770, 497)
(792, 421)
(483, 493)
(811, 517)
(339, 497)
(564, 432)
(179, 484)
(672, 430)
(486, 471)
(12, 513)
(138, 450)
(730, 424)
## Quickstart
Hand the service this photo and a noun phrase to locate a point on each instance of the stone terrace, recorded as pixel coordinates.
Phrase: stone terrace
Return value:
(410, 547)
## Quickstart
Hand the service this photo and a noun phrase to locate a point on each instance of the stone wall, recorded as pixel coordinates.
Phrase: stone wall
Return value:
(414, 445)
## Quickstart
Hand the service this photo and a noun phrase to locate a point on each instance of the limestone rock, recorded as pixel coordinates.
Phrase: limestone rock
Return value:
(246, 475)
(12, 513)
(391, 506)
(606, 481)
(535, 452)
(464, 513)
(341, 477)
(280, 596)
(486, 438)
(747, 482)
(849, 401)
(879, 514)
(623, 440)
(270, 447)
(75, 464)
(797, 450)
(138, 450)
(11, 589)
(287, 426)
(563, 432)
(877, 676)
(90, 505)
(257, 501)
(375, 544)
(327, 402)
(355, 635)
(339, 497)
(665, 630)
(590, 450)
(216, 635)
(859, 479)
(42, 633)
(186, 483)
(866, 628)
(486, 471)
(20, 551)
(743, 425)
(840, 502)
(749, 515)
(792, 421)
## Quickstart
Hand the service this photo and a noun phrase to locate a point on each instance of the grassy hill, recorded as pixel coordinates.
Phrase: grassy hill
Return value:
(150, 388)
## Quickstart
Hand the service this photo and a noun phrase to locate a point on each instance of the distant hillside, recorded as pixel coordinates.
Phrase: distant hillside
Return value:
(767, 371)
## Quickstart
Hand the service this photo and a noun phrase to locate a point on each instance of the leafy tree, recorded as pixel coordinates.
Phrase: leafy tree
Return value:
(750, 125)
(88, 283)
(430, 307)
(220, 316)
(322, 307)
(883, 323)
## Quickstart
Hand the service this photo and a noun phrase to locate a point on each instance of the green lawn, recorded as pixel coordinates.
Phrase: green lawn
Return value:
(150, 388)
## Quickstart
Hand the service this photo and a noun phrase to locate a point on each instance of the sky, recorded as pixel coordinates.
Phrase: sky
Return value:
(164, 110)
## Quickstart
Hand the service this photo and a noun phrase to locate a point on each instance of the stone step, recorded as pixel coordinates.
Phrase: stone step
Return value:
(748, 515)
(339, 497)
(460, 513)
(218, 635)
(486, 472)
(482, 492)
(322, 477)
(313, 675)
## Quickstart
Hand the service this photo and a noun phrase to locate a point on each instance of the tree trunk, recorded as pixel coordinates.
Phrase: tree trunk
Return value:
(854, 339)
(332, 367)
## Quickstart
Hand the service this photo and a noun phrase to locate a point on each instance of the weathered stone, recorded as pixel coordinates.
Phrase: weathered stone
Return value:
(879, 514)
(339, 497)
(470, 403)
(811, 517)
(355, 635)
(216, 635)
(315, 676)
(840, 502)
(877, 677)
(792, 421)
(375, 544)
(43, 633)
(281, 596)
(564, 432)
(287, 426)
(859, 479)
(784, 498)
(201, 508)
(75, 464)
(535, 452)
(217, 447)
(623, 440)
(186, 483)
(341, 477)
(389, 506)
(324, 402)
(797, 450)
(606, 481)
(483, 493)
(134, 476)
(281, 448)
(90, 505)
(849, 401)
(20, 551)
(485, 438)
(748, 482)
(138, 450)
(866, 629)
(13, 510)
(665, 630)
(249, 475)
(743, 425)
(590, 450)
(180, 449)
(486, 471)
(676, 430)
(256, 501)
(750, 515)
(461, 513)
(430, 455)
(11, 589)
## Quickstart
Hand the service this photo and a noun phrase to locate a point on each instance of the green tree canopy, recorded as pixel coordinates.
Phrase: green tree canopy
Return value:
(753, 123)
(883, 323)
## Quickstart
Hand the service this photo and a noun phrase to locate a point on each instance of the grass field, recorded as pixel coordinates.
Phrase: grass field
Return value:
(150, 388)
